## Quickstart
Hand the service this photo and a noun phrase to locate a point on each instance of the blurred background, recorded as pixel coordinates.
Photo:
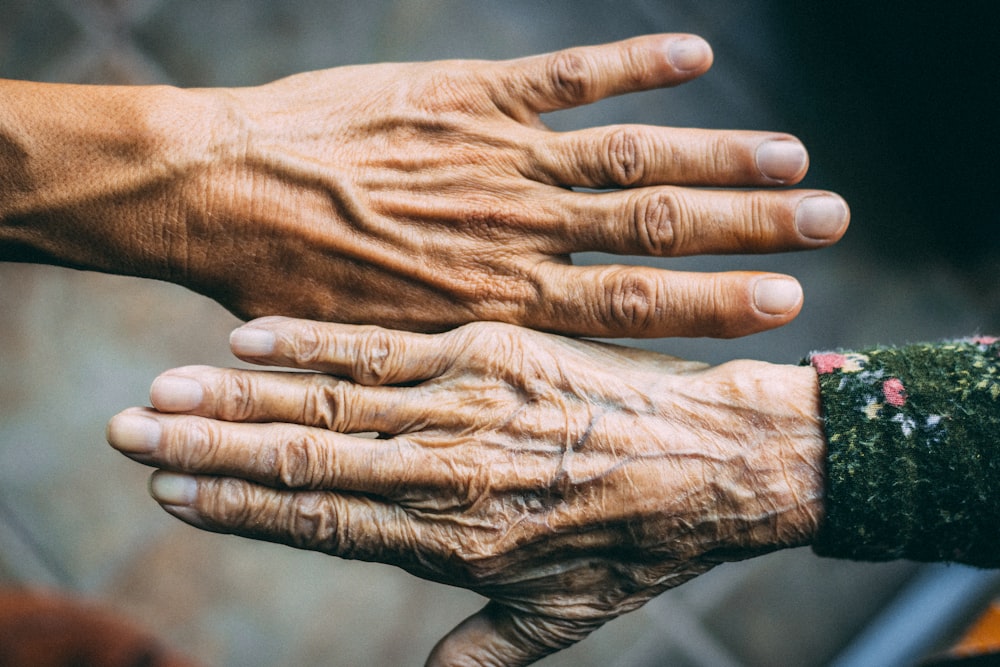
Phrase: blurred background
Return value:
(894, 102)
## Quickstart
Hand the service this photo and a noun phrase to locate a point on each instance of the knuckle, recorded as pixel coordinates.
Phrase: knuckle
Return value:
(571, 75)
(237, 397)
(655, 221)
(721, 315)
(374, 361)
(625, 162)
(308, 346)
(631, 301)
(477, 332)
(505, 341)
(199, 444)
(636, 72)
(324, 405)
(313, 522)
(230, 503)
(301, 462)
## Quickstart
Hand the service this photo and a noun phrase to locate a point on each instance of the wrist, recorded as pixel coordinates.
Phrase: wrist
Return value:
(775, 465)
(803, 458)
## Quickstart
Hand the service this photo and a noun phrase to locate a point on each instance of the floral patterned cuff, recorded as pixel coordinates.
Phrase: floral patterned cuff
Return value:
(913, 452)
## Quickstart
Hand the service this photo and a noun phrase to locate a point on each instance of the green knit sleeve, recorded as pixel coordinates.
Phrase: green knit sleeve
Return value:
(913, 452)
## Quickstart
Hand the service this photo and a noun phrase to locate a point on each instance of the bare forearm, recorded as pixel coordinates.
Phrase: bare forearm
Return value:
(88, 175)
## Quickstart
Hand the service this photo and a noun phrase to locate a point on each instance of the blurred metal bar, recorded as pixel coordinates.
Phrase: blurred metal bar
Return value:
(920, 616)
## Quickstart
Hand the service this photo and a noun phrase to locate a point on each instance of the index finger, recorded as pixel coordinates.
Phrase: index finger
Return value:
(582, 75)
(369, 355)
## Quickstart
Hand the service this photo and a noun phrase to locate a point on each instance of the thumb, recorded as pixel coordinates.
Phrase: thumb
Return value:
(501, 636)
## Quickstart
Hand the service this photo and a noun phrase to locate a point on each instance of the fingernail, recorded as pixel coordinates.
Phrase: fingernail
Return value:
(134, 434)
(250, 342)
(777, 296)
(820, 217)
(781, 160)
(688, 53)
(176, 394)
(170, 488)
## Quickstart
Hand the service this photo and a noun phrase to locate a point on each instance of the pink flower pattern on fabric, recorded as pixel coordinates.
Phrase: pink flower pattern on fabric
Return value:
(828, 362)
(894, 392)
(911, 455)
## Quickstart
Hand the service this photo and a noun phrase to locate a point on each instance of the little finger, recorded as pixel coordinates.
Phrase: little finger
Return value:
(347, 526)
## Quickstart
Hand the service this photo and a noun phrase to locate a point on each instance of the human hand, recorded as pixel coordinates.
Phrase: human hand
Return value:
(417, 195)
(427, 195)
(568, 481)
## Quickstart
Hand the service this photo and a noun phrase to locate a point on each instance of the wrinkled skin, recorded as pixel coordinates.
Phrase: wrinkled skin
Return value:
(416, 196)
(568, 481)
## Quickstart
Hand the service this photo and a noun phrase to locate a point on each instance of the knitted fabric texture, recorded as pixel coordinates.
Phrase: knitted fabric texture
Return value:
(913, 452)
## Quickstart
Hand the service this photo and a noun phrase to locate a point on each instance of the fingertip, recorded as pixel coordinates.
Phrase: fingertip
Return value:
(783, 160)
(174, 393)
(689, 53)
(134, 432)
(822, 217)
(174, 489)
(251, 340)
(177, 494)
(778, 296)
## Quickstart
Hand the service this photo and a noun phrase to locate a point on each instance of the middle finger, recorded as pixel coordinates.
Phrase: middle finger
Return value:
(669, 221)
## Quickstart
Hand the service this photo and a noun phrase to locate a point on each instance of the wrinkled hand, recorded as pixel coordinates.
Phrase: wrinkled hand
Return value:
(566, 480)
(422, 196)
(426, 195)
(416, 196)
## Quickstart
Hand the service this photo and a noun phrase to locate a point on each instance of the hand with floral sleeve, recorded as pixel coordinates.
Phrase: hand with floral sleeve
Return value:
(418, 196)
(568, 481)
